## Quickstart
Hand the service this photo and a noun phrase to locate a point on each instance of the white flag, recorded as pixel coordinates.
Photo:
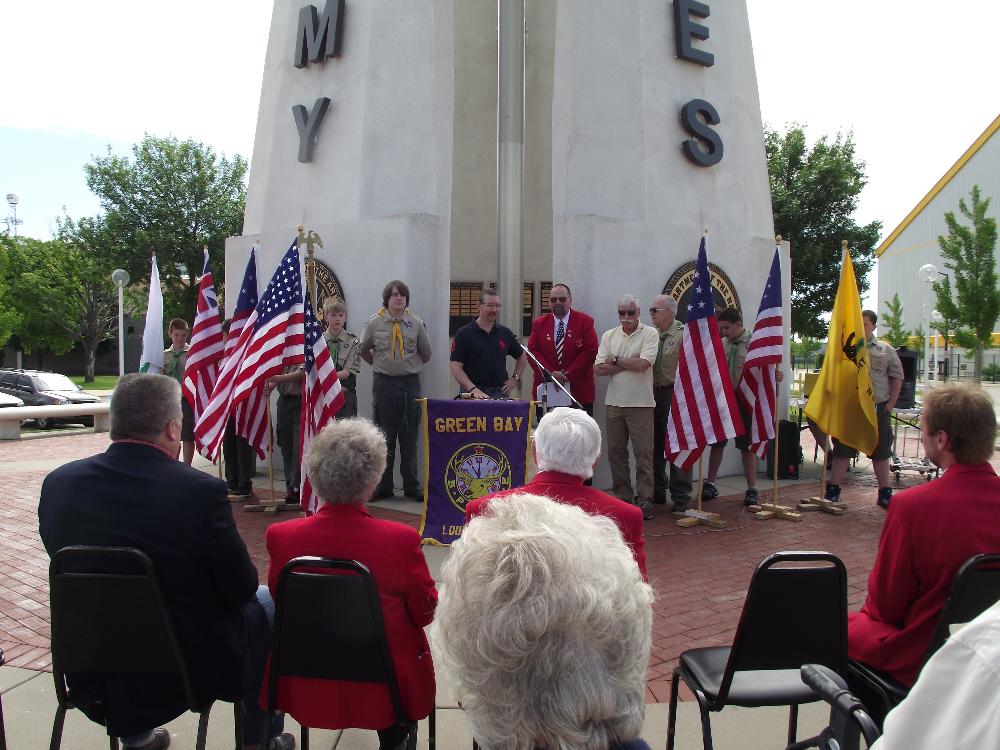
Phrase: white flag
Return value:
(152, 335)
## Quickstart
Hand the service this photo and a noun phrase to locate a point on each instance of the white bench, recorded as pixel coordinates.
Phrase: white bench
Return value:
(12, 416)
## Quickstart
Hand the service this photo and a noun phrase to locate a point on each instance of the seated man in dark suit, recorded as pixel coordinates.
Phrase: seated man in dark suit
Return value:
(137, 494)
(566, 446)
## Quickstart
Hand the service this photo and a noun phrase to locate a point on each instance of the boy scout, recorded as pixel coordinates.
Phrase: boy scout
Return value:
(174, 362)
(345, 352)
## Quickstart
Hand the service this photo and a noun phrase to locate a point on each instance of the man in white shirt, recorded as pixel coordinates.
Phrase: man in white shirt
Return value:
(626, 355)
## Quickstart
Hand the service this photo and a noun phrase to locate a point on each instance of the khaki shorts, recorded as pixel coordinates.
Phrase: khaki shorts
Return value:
(883, 448)
(742, 442)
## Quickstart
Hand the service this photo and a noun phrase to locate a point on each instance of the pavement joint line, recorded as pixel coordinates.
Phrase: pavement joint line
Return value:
(31, 675)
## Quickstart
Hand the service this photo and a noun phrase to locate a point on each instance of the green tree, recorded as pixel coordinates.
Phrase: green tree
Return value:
(814, 193)
(10, 318)
(173, 198)
(969, 252)
(892, 323)
(804, 350)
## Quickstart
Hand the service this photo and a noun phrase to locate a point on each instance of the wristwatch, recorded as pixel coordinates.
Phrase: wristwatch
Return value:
(614, 360)
(516, 377)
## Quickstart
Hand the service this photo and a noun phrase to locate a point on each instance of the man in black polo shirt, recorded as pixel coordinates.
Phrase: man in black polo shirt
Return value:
(479, 353)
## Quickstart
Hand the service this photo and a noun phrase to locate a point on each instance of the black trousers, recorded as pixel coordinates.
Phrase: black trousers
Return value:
(237, 454)
(680, 479)
(397, 413)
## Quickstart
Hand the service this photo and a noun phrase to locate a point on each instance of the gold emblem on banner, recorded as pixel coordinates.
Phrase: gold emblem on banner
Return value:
(476, 470)
(679, 284)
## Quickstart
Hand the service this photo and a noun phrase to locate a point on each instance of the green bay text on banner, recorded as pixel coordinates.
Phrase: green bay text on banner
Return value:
(474, 448)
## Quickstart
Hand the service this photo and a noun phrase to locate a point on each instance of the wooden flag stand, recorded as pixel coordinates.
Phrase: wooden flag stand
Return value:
(767, 511)
(696, 516)
(820, 503)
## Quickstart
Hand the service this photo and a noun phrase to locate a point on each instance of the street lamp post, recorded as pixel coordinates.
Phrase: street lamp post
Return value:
(937, 318)
(12, 201)
(928, 274)
(121, 278)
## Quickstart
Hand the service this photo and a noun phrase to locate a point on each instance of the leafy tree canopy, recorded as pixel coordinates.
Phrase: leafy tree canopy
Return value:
(10, 318)
(171, 197)
(814, 193)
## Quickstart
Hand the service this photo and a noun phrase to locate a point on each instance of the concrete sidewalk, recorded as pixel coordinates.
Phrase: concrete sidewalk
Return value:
(700, 576)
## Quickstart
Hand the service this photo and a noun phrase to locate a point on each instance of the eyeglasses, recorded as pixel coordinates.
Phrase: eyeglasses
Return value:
(654, 310)
(558, 299)
(490, 305)
(627, 313)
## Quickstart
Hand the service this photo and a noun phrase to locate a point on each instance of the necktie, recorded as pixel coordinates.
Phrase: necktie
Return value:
(560, 334)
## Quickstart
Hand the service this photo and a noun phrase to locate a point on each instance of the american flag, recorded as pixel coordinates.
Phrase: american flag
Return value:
(270, 339)
(703, 411)
(322, 396)
(758, 383)
(205, 353)
(250, 415)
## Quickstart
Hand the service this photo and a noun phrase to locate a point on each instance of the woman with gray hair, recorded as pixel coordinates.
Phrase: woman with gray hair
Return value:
(544, 629)
(345, 463)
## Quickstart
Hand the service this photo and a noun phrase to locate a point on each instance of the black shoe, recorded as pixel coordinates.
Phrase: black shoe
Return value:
(285, 741)
(659, 499)
(291, 499)
(832, 493)
(417, 495)
(884, 497)
(709, 491)
(647, 510)
(383, 494)
(160, 741)
(750, 498)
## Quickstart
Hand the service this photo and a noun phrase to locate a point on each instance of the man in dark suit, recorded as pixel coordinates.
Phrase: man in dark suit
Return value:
(565, 341)
(566, 446)
(137, 494)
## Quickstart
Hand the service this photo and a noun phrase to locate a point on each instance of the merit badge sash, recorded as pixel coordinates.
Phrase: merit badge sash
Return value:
(473, 448)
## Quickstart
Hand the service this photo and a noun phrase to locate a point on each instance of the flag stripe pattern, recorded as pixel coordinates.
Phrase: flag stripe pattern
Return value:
(270, 339)
(322, 397)
(758, 383)
(205, 353)
(703, 410)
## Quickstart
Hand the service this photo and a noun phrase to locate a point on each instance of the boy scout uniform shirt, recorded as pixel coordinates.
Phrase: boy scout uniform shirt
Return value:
(348, 354)
(291, 387)
(174, 363)
(884, 364)
(736, 354)
(665, 368)
(387, 359)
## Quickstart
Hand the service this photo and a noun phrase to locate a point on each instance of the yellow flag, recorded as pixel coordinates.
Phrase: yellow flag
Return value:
(841, 402)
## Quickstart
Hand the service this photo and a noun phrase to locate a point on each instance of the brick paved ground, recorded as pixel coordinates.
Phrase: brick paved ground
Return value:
(700, 575)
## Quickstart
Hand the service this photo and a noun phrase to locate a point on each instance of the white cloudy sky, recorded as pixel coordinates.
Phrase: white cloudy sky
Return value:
(913, 80)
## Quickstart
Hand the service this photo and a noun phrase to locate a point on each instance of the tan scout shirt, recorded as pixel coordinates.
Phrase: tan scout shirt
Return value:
(291, 387)
(736, 354)
(174, 363)
(669, 354)
(884, 364)
(377, 338)
(629, 388)
(348, 351)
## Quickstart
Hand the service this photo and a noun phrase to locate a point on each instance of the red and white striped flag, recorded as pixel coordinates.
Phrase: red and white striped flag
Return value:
(758, 383)
(205, 353)
(270, 339)
(703, 410)
(322, 397)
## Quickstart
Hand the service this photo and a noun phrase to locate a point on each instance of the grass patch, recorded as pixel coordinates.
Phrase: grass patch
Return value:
(101, 382)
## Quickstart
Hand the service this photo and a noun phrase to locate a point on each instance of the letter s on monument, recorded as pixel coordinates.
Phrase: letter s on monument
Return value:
(319, 36)
(711, 154)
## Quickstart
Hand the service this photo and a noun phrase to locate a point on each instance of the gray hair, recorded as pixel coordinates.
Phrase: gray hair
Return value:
(567, 440)
(668, 302)
(142, 405)
(543, 628)
(346, 460)
(628, 299)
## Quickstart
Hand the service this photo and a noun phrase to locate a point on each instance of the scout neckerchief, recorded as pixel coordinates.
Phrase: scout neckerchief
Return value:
(397, 336)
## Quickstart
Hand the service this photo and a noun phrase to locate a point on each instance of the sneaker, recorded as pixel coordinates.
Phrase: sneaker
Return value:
(884, 497)
(647, 510)
(709, 491)
(832, 493)
(159, 741)
(750, 498)
(284, 741)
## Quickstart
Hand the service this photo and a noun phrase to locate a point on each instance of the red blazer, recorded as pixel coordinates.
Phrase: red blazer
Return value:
(579, 351)
(929, 531)
(392, 552)
(569, 489)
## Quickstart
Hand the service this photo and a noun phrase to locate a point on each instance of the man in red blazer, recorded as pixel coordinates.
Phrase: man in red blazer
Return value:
(929, 531)
(566, 446)
(565, 341)
(345, 464)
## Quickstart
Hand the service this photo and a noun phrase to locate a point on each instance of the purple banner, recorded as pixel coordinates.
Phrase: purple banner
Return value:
(474, 448)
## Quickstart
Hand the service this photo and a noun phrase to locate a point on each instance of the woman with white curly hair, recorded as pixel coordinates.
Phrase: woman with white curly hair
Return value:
(345, 463)
(544, 629)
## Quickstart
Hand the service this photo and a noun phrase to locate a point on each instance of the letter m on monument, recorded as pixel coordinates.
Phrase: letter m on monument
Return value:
(318, 36)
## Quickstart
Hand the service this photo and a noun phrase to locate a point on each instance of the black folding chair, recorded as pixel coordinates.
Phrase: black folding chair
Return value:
(795, 613)
(849, 721)
(341, 610)
(3, 732)
(109, 618)
(975, 588)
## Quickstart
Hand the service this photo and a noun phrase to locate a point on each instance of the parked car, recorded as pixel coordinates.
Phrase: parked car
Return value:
(44, 388)
(6, 400)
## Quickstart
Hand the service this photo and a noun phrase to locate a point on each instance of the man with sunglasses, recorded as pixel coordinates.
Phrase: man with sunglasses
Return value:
(626, 355)
(565, 341)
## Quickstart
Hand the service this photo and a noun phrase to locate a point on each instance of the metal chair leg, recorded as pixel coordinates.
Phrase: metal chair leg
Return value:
(305, 738)
(793, 721)
(431, 729)
(238, 718)
(57, 728)
(672, 710)
(113, 741)
(706, 720)
(203, 727)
